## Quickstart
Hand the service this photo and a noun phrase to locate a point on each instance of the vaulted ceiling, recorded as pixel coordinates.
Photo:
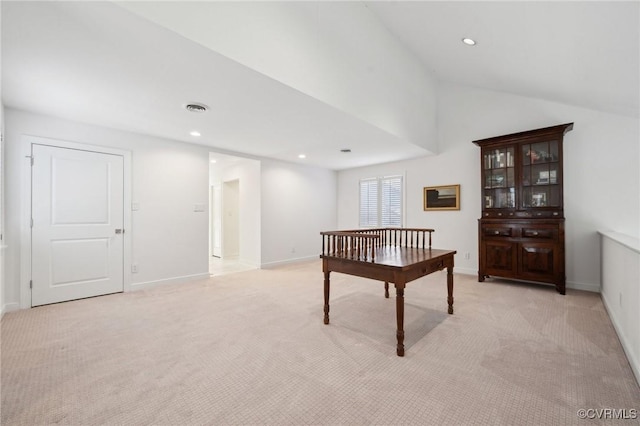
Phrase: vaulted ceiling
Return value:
(282, 79)
(583, 53)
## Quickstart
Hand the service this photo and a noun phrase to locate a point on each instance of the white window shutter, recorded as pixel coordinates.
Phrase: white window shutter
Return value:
(381, 202)
(391, 201)
(368, 203)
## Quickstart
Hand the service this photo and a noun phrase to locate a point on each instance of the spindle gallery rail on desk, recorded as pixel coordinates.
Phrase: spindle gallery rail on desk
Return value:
(392, 255)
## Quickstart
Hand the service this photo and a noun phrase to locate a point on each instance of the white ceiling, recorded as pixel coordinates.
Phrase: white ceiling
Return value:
(100, 64)
(583, 53)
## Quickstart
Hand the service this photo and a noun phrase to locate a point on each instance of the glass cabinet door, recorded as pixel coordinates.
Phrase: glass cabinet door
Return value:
(540, 175)
(499, 178)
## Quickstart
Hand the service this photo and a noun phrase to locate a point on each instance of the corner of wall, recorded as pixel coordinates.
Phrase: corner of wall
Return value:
(9, 307)
(593, 287)
(2, 245)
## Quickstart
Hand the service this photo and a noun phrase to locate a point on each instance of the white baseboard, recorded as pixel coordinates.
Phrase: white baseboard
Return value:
(634, 359)
(288, 261)
(595, 288)
(582, 286)
(465, 271)
(174, 280)
(10, 307)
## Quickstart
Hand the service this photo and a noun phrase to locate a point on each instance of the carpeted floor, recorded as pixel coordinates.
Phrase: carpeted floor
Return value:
(251, 348)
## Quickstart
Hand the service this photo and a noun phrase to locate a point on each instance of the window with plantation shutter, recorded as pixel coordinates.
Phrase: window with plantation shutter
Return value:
(391, 201)
(381, 202)
(369, 203)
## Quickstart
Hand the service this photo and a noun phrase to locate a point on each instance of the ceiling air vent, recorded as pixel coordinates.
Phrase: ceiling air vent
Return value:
(196, 107)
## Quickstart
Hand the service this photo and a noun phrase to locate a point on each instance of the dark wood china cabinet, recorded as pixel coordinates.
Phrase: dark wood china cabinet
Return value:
(521, 231)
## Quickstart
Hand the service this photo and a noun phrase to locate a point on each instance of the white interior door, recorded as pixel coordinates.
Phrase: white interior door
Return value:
(231, 219)
(216, 213)
(77, 232)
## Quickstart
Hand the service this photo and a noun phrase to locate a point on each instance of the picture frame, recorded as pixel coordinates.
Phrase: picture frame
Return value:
(445, 197)
(539, 199)
(543, 178)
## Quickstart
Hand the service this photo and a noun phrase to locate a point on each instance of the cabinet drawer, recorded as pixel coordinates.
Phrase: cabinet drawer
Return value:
(497, 231)
(425, 269)
(541, 233)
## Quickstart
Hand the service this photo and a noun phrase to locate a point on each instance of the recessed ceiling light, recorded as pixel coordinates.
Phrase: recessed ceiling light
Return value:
(302, 156)
(469, 41)
(213, 161)
(194, 133)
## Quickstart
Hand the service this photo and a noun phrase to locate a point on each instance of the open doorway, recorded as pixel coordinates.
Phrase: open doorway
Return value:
(234, 225)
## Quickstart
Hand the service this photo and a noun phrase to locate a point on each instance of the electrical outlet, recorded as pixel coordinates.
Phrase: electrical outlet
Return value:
(293, 249)
(134, 268)
(467, 255)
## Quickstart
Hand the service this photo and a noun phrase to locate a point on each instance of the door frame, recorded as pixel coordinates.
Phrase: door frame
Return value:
(25, 212)
(215, 215)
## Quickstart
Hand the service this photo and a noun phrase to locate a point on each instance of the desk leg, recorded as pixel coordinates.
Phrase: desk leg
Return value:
(400, 319)
(450, 288)
(326, 297)
(386, 289)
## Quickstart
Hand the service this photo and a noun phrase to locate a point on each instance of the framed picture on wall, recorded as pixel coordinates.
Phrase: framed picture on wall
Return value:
(445, 197)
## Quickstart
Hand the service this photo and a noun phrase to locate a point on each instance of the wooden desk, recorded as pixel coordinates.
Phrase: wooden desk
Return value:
(392, 255)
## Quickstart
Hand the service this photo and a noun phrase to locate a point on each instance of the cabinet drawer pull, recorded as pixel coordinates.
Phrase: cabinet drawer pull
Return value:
(541, 233)
(496, 232)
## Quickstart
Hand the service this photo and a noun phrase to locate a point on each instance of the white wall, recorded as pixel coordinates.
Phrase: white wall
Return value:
(297, 204)
(601, 174)
(337, 52)
(453, 228)
(2, 179)
(2, 213)
(284, 204)
(169, 239)
(620, 291)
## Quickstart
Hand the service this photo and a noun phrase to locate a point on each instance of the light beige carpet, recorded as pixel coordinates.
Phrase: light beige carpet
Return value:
(251, 348)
